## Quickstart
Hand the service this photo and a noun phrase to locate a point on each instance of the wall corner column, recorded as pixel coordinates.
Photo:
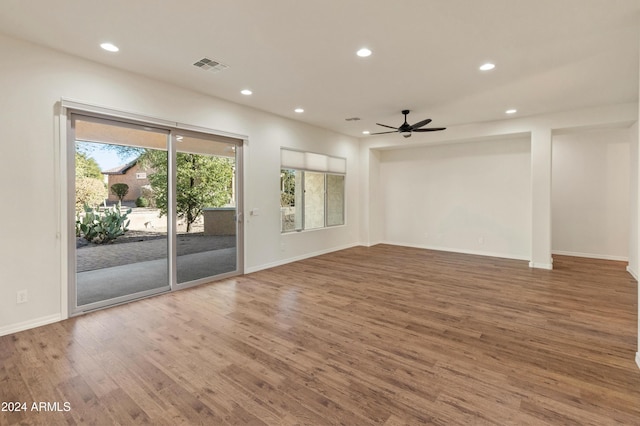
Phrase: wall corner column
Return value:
(541, 140)
(370, 210)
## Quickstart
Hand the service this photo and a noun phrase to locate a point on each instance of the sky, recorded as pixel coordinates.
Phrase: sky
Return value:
(106, 158)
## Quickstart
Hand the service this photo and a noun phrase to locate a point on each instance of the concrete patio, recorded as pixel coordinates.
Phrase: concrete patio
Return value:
(108, 271)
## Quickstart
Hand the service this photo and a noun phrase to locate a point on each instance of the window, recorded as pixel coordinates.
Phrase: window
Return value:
(311, 191)
(335, 200)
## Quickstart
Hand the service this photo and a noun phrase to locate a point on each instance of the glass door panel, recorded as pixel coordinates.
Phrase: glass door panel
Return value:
(206, 207)
(120, 200)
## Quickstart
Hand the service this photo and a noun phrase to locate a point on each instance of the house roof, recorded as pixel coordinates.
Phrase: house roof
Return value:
(550, 55)
(120, 170)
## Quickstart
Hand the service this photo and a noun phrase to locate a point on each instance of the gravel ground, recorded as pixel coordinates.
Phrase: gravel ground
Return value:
(129, 237)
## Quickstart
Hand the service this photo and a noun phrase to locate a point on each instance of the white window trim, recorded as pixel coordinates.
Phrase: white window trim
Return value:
(316, 163)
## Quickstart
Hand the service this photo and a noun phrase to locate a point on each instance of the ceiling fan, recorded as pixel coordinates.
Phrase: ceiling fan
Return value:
(406, 129)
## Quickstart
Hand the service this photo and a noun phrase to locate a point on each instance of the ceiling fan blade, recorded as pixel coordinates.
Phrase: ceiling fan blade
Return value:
(421, 123)
(384, 125)
(432, 129)
(382, 133)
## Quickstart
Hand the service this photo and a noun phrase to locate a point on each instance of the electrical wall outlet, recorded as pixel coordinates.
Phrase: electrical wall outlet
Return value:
(22, 296)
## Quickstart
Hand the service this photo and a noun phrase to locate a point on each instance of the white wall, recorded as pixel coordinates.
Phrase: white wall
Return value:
(634, 155)
(32, 82)
(371, 225)
(538, 128)
(635, 211)
(469, 197)
(590, 194)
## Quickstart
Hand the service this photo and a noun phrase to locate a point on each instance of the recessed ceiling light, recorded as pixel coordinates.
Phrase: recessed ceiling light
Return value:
(511, 111)
(486, 67)
(364, 52)
(109, 47)
(246, 92)
(299, 110)
(366, 132)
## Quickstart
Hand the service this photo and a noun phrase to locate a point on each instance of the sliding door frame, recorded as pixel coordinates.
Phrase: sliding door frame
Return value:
(66, 158)
(74, 309)
(239, 191)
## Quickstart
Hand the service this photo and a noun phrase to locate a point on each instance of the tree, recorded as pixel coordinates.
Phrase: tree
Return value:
(120, 190)
(89, 192)
(287, 188)
(202, 181)
(90, 187)
(87, 167)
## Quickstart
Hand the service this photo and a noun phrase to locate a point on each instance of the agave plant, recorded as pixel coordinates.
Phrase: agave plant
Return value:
(102, 228)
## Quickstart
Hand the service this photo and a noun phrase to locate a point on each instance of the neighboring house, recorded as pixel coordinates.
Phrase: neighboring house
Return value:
(131, 174)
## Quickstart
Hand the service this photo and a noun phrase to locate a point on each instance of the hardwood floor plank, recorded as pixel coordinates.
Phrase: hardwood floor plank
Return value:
(124, 409)
(380, 335)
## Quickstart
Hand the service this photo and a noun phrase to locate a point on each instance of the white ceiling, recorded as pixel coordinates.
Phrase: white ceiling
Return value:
(550, 55)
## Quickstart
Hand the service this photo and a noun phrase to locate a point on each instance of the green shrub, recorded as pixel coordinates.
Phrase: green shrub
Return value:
(120, 190)
(101, 228)
(142, 202)
(147, 192)
(89, 191)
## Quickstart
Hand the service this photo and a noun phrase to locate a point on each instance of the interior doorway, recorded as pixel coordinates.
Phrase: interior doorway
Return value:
(151, 210)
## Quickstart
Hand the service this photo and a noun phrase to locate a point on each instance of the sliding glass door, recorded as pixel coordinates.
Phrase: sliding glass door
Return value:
(206, 207)
(153, 210)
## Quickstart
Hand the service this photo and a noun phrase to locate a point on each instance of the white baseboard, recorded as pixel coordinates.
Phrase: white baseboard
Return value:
(26, 325)
(372, 243)
(638, 359)
(463, 251)
(538, 265)
(590, 255)
(297, 258)
(633, 273)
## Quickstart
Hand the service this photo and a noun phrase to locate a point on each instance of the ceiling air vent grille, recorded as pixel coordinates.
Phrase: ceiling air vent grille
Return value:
(210, 65)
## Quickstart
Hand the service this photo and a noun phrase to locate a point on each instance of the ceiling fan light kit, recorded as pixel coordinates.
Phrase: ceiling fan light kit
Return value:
(407, 129)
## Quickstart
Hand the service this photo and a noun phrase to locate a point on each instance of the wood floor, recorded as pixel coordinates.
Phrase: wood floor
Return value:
(383, 335)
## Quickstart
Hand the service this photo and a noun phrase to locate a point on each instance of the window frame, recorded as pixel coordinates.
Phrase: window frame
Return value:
(306, 162)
